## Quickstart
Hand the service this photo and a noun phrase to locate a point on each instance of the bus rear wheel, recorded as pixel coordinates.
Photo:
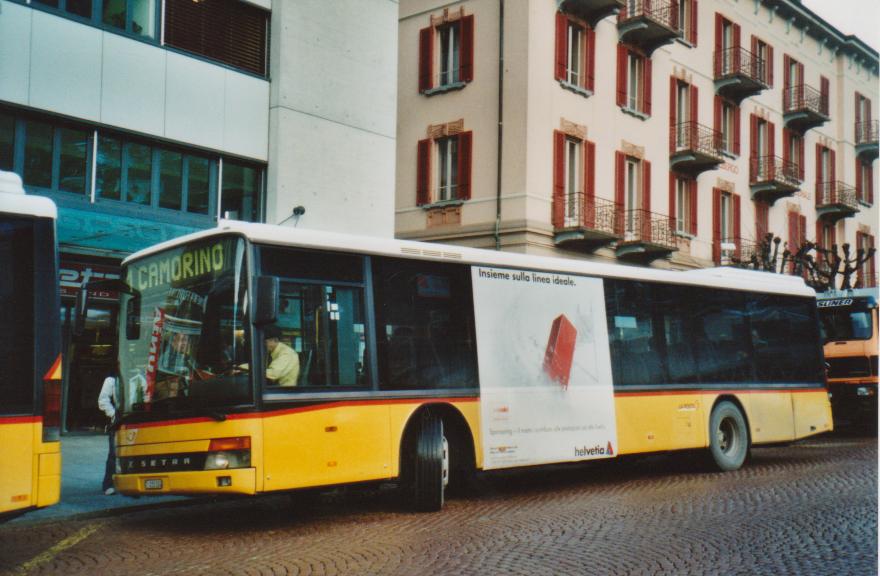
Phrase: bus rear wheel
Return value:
(430, 463)
(728, 437)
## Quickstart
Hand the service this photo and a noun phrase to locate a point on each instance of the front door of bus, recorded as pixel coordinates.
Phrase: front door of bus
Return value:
(328, 432)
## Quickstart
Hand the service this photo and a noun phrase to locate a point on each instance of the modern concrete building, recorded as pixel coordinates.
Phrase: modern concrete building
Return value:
(147, 119)
(653, 132)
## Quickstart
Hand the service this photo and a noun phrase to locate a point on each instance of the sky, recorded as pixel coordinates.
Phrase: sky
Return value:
(859, 17)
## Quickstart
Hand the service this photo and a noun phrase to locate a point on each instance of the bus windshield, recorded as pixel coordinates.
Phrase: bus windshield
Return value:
(851, 322)
(183, 338)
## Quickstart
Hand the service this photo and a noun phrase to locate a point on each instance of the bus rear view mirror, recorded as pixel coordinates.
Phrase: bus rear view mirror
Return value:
(81, 310)
(133, 318)
(268, 288)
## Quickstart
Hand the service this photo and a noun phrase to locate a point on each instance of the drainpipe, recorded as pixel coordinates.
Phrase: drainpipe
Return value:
(500, 123)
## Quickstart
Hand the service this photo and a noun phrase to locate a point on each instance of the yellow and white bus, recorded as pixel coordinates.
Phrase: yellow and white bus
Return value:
(30, 364)
(849, 324)
(424, 362)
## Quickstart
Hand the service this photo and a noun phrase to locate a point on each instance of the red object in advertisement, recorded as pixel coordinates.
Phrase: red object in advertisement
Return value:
(153, 358)
(560, 350)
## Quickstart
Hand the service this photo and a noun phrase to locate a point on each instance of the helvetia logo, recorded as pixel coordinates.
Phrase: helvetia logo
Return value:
(594, 451)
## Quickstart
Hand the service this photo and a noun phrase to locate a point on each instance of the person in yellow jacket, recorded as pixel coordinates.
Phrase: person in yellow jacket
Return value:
(283, 367)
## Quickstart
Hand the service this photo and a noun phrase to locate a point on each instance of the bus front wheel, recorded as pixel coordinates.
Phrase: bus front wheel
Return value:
(430, 465)
(728, 436)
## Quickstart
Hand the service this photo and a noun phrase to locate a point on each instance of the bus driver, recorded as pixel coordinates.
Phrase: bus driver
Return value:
(283, 368)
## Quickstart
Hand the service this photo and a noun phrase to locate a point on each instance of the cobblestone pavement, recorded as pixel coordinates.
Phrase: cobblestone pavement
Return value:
(809, 508)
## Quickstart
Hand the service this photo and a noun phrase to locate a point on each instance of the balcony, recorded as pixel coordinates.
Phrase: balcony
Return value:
(694, 148)
(735, 252)
(835, 200)
(804, 107)
(648, 24)
(771, 178)
(866, 139)
(739, 74)
(591, 10)
(645, 235)
(584, 223)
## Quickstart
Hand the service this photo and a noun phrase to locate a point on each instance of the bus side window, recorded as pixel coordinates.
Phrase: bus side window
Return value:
(424, 315)
(321, 316)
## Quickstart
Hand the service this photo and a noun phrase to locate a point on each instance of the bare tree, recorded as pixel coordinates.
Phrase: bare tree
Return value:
(819, 272)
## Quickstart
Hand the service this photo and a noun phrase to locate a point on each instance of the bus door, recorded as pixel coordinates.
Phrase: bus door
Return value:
(324, 429)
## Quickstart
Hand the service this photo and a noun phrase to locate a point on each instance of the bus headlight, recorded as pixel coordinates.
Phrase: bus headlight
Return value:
(226, 453)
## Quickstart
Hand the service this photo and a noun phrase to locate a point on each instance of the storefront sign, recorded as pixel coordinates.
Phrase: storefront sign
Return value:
(74, 274)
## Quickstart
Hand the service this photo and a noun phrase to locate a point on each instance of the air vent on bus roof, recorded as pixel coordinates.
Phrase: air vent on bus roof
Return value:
(430, 253)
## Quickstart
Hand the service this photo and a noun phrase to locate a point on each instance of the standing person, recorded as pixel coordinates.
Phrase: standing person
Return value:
(107, 404)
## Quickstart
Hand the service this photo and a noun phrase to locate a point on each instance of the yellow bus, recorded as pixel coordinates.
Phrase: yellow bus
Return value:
(30, 365)
(257, 359)
(848, 321)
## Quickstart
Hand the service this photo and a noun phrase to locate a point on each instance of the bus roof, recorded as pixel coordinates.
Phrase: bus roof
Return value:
(13, 200)
(726, 277)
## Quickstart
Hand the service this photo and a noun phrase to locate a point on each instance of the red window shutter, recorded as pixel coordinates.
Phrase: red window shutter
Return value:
(736, 130)
(467, 49)
(737, 235)
(646, 200)
(589, 184)
(695, 106)
(833, 236)
(860, 192)
(693, 23)
(825, 91)
(786, 74)
(716, 225)
(716, 113)
(771, 139)
(858, 110)
(621, 75)
(754, 49)
(558, 179)
(762, 216)
(692, 185)
(863, 267)
(870, 184)
(673, 109)
(792, 232)
(832, 168)
(737, 56)
(800, 86)
(802, 230)
(672, 190)
(647, 84)
(561, 45)
(619, 161)
(719, 44)
(465, 161)
(769, 66)
(786, 139)
(802, 158)
(426, 58)
(820, 228)
(753, 136)
(820, 177)
(591, 60)
(423, 173)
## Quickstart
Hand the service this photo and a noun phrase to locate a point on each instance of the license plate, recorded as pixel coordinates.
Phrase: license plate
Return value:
(153, 484)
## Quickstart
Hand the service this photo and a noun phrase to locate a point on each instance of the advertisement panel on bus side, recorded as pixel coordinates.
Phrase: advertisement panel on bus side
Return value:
(545, 368)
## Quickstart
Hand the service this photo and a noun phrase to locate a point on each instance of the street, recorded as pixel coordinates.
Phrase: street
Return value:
(808, 508)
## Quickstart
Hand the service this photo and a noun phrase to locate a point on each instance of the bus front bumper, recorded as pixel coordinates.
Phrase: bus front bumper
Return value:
(235, 481)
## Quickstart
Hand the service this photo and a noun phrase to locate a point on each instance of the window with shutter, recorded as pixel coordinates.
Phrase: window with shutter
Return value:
(443, 171)
(232, 32)
(446, 55)
(633, 81)
(575, 58)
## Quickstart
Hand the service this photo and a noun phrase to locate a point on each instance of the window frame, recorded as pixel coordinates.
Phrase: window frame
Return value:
(428, 165)
(634, 81)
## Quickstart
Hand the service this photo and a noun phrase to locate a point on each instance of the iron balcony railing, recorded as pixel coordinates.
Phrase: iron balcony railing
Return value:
(730, 250)
(663, 12)
(695, 137)
(836, 193)
(578, 210)
(738, 61)
(866, 132)
(773, 169)
(642, 226)
(802, 97)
